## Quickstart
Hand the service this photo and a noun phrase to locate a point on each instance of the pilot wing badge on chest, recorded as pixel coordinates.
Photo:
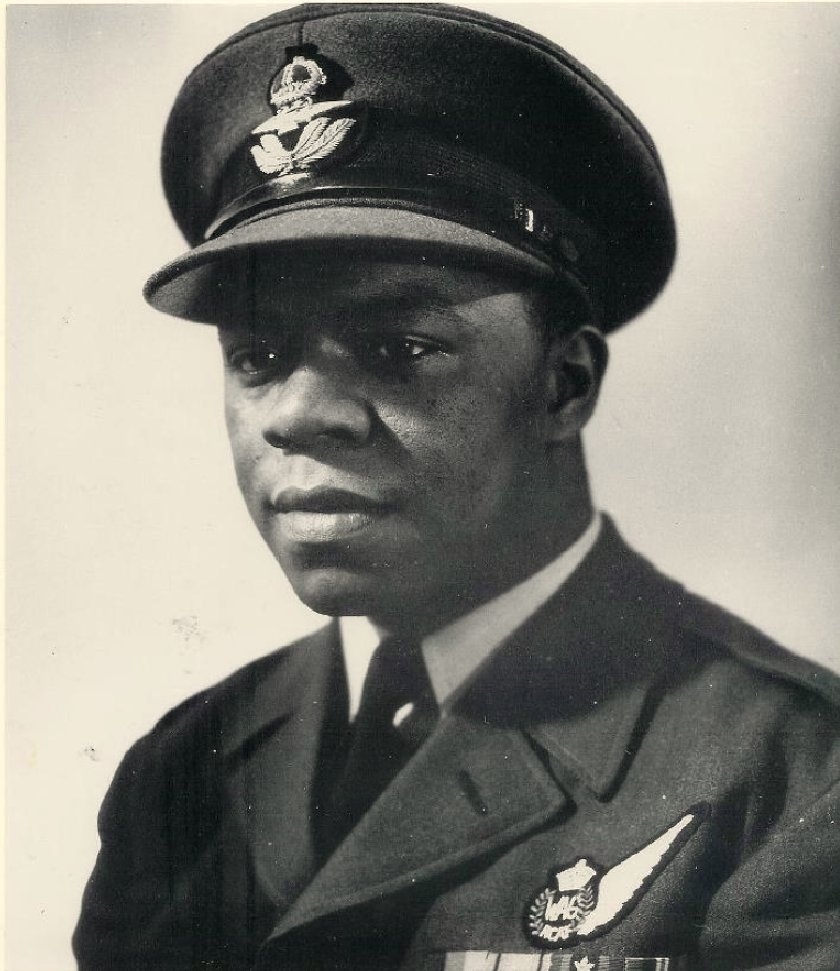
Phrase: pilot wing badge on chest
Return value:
(584, 900)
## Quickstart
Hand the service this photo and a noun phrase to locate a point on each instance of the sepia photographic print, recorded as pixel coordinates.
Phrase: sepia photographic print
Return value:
(424, 487)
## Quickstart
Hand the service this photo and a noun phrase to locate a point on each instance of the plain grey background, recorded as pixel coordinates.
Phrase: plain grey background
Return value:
(135, 576)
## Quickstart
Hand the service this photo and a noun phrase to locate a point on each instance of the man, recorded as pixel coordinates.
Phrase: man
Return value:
(413, 226)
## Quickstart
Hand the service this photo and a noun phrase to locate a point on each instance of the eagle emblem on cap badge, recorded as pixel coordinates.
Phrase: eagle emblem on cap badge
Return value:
(303, 137)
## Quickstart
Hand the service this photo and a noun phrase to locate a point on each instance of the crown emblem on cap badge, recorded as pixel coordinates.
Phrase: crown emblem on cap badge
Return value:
(303, 137)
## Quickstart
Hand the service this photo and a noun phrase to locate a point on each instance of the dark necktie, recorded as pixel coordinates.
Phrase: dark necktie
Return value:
(396, 687)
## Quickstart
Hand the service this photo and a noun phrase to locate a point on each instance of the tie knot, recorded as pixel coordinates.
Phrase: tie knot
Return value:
(396, 677)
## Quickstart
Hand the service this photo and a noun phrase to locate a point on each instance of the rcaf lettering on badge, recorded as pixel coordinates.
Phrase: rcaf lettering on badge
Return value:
(584, 900)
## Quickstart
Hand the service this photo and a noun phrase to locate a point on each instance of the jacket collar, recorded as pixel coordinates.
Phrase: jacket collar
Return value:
(267, 693)
(579, 675)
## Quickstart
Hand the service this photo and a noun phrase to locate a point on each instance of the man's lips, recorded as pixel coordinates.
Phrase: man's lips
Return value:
(323, 515)
(327, 501)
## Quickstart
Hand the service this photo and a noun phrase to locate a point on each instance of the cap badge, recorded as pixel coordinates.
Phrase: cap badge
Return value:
(303, 137)
(586, 901)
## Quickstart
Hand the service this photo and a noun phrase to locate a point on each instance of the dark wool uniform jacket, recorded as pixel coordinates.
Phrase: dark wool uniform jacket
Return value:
(634, 774)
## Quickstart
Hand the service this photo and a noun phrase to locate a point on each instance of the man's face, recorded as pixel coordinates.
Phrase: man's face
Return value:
(388, 430)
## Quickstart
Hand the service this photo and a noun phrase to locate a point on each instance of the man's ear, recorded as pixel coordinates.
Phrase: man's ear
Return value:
(575, 366)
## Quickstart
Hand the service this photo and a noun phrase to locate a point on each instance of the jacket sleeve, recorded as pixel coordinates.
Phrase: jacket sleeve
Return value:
(140, 909)
(129, 879)
(780, 909)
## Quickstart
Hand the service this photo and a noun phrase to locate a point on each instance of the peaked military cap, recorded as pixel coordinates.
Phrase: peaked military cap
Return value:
(410, 128)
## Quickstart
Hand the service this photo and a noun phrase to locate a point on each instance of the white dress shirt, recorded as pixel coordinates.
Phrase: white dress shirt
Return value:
(455, 652)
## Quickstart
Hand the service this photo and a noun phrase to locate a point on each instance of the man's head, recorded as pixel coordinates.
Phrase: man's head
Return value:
(411, 224)
(406, 436)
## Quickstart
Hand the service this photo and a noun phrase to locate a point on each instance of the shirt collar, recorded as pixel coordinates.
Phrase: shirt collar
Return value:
(453, 653)
(359, 639)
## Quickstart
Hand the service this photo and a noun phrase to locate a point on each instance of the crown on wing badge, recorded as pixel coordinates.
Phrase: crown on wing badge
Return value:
(304, 136)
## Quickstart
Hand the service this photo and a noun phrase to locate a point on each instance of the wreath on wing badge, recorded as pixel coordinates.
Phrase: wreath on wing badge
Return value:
(304, 137)
(557, 912)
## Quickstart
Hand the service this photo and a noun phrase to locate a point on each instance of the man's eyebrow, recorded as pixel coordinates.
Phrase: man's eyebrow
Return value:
(408, 301)
(363, 312)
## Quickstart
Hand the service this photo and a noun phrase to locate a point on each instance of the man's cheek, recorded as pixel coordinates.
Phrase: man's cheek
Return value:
(246, 467)
(463, 479)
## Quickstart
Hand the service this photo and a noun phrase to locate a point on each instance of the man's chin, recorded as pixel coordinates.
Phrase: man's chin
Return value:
(338, 592)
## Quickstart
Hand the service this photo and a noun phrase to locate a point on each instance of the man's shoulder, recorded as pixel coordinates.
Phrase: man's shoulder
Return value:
(723, 696)
(212, 711)
(181, 759)
(724, 673)
(741, 645)
(703, 637)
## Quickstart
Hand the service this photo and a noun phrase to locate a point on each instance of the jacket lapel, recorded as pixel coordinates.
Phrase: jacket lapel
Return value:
(572, 683)
(469, 791)
(582, 676)
(271, 754)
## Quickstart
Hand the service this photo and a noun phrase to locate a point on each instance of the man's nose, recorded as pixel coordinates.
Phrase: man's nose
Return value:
(320, 401)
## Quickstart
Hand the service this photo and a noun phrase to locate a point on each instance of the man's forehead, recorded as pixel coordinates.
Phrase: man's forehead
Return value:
(272, 289)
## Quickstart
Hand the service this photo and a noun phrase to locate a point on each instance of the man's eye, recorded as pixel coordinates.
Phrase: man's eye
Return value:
(254, 360)
(403, 349)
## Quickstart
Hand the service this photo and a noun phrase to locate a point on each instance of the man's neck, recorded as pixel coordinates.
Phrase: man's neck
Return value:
(455, 651)
(520, 557)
